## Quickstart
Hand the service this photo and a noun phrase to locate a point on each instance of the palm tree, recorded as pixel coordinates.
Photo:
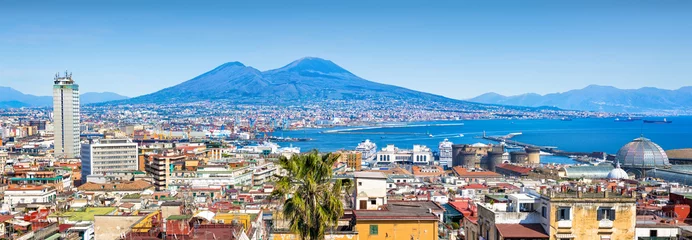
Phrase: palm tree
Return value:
(311, 197)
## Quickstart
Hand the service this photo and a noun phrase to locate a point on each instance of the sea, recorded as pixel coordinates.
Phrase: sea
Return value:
(579, 135)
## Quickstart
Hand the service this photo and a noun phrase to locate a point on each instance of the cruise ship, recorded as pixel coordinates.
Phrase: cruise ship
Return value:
(445, 149)
(367, 149)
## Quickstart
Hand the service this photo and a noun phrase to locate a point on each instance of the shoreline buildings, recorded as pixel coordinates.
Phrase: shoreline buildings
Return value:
(66, 116)
(392, 155)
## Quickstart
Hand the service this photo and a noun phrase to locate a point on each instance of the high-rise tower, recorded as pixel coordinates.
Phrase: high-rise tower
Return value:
(66, 116)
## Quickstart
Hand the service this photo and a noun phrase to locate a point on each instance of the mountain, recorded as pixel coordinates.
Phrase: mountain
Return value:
(98, 97)
(11, 98)
(14, 98)
(306, 79)
(601, 98)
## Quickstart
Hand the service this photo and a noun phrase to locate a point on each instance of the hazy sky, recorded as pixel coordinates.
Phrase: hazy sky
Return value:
(458, 49)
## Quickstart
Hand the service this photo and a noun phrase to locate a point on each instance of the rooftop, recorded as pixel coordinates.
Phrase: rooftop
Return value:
(374, 175)
(521, 231)
(401, 210)
(463, 172)
(137, 185)
(86, 215)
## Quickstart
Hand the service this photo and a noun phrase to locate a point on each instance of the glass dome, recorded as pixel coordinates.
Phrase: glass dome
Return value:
(642, 153)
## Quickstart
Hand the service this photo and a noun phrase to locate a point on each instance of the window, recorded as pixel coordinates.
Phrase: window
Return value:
(373, 201)
(563, 213)
(606, 213)
(373, 229)
(653, 233)
(360, 183)
(544, 212)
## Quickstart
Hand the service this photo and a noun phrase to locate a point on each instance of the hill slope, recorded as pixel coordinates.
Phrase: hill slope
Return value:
(306, 79)
(601, 98)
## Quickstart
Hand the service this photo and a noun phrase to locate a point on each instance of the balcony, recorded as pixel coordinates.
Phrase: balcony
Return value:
(564, 224)
(605, 223)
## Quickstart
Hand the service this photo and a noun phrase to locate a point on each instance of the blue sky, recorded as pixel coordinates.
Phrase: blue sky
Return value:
(458, 49)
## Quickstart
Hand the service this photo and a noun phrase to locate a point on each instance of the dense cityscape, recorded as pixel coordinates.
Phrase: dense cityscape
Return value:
(345, 120)
(212, 170)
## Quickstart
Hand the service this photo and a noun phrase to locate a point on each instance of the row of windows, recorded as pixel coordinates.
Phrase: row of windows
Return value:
(563, 213)
(113, 162)
(113, 157)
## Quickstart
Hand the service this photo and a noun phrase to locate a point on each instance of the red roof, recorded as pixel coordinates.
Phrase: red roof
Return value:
(462, 172)
(514, 168)
(521, 231)
(465, 207)
(5, 217)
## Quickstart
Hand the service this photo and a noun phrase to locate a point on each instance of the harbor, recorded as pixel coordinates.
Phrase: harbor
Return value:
(582, 157)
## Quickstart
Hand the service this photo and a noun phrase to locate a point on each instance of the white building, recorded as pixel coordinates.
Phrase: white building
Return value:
(29, 194)
(445, 149)
(371, 190)
(100, 156)
(66, 116)
(391, 154)
(212, 177)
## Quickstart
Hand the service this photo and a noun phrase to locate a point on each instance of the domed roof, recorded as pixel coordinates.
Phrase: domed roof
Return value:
(642, 153)
(617, 173)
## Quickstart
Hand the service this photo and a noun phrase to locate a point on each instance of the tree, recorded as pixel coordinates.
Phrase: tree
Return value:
(312, 199)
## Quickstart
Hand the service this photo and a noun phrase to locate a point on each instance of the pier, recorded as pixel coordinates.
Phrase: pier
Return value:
(549, 149)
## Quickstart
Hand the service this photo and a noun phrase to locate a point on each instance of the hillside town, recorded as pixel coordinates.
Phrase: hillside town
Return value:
(71, 173)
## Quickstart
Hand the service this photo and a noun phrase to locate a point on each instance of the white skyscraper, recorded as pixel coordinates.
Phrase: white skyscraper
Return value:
(66, 116)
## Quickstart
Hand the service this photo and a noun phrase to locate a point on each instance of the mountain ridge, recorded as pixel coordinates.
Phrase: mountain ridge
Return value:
(601, 98)
(12, 98)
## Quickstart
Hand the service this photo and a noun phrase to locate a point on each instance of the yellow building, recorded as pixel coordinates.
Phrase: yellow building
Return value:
(591, 216)
(400, 220)
(397, 220)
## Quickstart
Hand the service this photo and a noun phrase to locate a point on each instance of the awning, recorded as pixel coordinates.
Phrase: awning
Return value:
(564, 235)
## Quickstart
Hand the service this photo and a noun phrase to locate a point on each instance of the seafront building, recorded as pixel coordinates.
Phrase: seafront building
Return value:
(392, 155)
(66, 116)
(102, 156)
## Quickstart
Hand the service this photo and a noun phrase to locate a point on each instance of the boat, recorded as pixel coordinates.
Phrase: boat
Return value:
(624, 120)
(565, 119)
(289, 150)
(658, 121)
(430, 135)
(367, 149)
(545, 153)
(461, 135)
(446, 155)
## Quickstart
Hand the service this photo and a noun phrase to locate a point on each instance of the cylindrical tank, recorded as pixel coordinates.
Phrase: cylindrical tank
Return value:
(469, 160)
(494, 159)
(457, 159)
(518, 157)
(534, 156)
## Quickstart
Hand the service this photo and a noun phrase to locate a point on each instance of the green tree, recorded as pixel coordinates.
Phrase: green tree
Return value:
(312, 198)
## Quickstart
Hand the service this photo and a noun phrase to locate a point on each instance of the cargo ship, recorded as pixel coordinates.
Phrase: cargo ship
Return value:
(658, 121)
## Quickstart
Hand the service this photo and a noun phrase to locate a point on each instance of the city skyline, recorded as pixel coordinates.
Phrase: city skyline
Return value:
(536, 46)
